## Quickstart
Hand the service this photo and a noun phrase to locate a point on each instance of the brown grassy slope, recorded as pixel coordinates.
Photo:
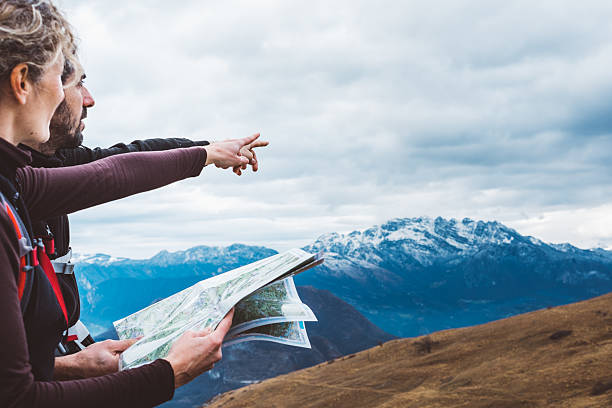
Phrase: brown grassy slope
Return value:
(561, 357)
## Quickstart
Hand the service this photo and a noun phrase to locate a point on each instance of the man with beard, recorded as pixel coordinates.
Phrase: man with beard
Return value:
(79, 355)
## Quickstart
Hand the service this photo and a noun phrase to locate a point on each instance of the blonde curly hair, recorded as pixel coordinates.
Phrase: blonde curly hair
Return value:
(35, 33)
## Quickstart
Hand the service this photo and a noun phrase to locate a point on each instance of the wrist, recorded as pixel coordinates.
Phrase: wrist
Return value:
(180, 376)
(68, 367)
(211, 154)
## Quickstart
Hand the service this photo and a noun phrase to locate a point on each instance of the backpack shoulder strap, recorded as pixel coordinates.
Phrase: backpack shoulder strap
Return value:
(32, 254)
(28, 258)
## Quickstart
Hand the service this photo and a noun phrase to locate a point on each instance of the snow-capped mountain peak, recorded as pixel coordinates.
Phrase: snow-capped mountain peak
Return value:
(424, 238)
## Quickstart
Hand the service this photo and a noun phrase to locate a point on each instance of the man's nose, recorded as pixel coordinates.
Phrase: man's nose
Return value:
(88, 100)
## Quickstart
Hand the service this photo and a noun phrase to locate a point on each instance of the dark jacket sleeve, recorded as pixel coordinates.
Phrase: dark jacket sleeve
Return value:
(83, 155)
(52, 192)
(144, 386)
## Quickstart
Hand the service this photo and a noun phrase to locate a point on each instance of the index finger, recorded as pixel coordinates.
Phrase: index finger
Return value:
(249, 139)
(259, 143)
(224, 325)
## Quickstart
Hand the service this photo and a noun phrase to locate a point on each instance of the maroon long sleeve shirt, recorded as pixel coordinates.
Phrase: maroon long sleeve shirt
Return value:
(51, 192)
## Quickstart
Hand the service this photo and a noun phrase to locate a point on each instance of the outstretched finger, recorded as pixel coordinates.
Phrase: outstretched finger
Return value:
(259, 143)
(249, 139)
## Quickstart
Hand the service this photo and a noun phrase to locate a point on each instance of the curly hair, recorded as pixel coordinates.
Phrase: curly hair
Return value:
(35, 33)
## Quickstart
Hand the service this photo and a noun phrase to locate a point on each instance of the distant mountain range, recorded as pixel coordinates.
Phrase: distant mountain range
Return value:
(409, 276)
(417, 275)
(112, 288)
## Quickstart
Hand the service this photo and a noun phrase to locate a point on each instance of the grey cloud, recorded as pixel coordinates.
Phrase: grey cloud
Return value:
(373, 109)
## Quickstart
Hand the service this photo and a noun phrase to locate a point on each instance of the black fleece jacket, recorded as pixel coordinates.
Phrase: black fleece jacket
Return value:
(59, 226)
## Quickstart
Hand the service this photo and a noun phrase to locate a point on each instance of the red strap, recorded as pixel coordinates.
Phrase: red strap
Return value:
(12, 217)
(34, 256)
(22, 277)
(49, 246)
(72, 337)
(50, 272)
(22, 261)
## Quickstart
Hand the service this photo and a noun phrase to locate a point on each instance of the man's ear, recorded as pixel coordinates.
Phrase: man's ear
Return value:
(19, 85)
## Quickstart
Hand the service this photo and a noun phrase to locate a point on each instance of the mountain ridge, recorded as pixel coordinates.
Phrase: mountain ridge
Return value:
(429, 225)
(409, 275)
(556, 358)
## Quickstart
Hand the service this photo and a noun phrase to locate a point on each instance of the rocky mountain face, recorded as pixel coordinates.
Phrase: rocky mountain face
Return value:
(397, 250)
(417, 275)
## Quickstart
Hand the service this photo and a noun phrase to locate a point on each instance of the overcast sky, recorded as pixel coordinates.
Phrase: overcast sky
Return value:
(374, 110)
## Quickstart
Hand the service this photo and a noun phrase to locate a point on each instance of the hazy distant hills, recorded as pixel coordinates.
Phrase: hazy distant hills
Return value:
(112, 288)
(409, 276)
(556, 358)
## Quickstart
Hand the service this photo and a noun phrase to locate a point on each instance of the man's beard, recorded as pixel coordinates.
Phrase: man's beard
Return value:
(65, 132)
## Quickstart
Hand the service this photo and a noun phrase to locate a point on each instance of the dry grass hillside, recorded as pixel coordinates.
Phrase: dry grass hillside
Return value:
(560, 357)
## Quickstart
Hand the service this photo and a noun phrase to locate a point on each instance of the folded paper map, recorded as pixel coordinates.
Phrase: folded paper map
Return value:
(267, 308)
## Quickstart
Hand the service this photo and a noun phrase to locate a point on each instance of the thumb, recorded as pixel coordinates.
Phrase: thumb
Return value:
(225, 324)
(122, 345)
(203, 333)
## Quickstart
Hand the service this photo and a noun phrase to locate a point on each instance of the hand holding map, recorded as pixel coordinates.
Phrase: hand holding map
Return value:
(203, 305)
(193, 353)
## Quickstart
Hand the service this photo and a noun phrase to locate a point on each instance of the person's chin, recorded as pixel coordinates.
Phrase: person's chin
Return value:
(39, 138)
(43, 135)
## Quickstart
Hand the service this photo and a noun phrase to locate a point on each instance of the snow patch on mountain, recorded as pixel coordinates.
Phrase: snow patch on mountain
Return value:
(424, 239)
(211, 254)
(97, 259)
(402, 248)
